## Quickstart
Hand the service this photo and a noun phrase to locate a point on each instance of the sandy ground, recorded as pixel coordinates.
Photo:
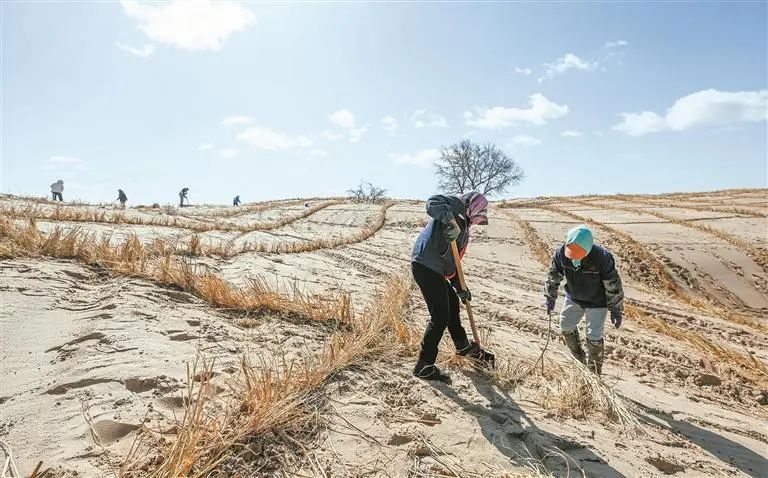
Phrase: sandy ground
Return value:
(74, 339)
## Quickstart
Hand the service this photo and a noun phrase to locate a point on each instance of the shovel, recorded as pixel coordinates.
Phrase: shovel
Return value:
(485, 356)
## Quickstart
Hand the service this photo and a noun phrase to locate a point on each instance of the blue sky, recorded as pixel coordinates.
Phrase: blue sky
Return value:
(269, 101)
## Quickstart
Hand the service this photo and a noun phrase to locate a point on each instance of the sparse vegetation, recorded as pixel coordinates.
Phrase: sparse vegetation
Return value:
(466, 166)
(366, 193)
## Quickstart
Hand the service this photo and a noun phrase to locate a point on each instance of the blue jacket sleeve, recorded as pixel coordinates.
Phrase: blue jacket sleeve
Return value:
(440, 209)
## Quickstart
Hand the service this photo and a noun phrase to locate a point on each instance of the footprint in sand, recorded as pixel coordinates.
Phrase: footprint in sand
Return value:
(109, 431)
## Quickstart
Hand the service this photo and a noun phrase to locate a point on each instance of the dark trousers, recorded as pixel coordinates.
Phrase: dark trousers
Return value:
(58, 196)
(443, 305)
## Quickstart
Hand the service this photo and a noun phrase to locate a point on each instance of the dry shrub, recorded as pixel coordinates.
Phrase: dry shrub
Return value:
(195, 246)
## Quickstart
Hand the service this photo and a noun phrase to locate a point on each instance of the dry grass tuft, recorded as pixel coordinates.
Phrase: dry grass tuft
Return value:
(156, 263)
(568, 389)
(269, 398)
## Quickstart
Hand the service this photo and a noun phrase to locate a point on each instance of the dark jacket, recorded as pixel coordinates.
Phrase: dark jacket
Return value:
(595, 284)
(432, 249)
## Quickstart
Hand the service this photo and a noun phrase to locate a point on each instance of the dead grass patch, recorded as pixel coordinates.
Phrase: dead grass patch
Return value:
(156, 263)
(268, 399)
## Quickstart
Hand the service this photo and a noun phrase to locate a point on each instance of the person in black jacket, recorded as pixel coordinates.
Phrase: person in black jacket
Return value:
(434, 271)
(122, 198)
(593, 288)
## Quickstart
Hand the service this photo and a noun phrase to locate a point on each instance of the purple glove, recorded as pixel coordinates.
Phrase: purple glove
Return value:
(550, 305)
(616, 317)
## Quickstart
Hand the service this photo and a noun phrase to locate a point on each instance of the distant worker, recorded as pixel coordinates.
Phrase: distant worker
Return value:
(122, 198)
(183, 196)
(236, 201)
(592, 288)
(57, 189)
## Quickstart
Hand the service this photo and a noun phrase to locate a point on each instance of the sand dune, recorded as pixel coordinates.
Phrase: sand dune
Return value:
(93, 357)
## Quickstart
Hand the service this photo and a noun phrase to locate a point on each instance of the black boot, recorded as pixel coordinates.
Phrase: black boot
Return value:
(595, 348)
(430, 371)
(574, 344)
(474, 351)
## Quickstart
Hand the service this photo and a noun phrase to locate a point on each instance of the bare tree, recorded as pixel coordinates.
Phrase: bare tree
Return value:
(375, 193)
(366, 192)
(357, 194)
(466, 166)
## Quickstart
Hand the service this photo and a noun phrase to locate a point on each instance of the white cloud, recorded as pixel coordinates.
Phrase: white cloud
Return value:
(539, 111)
(345, 120)
(567, 62)
(703, 108)
(237, 120)
(615, 44)
(204, 147)
(597, 133)
(61, 163)
(422, 119)
(317, 152)
(143, 52)
(228, 153)
(523, 71)
(332, 135)
(390, 125)
(424, 157)
(265, 138)
(572, 133)
(189, 24)
(523, 140)
(356, 133)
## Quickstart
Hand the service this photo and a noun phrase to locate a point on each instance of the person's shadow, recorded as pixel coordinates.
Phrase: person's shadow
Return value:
(726, 450)
(506, 426)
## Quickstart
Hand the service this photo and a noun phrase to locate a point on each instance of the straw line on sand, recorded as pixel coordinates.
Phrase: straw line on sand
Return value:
(759, 255)
(62, 214)
(156, 262)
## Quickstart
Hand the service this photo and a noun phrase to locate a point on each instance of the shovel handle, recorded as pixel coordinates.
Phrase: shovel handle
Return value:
(463, 283)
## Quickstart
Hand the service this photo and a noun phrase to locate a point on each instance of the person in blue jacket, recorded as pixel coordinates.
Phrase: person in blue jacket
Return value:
(592, 289)
(236, 201)
(434, 271)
